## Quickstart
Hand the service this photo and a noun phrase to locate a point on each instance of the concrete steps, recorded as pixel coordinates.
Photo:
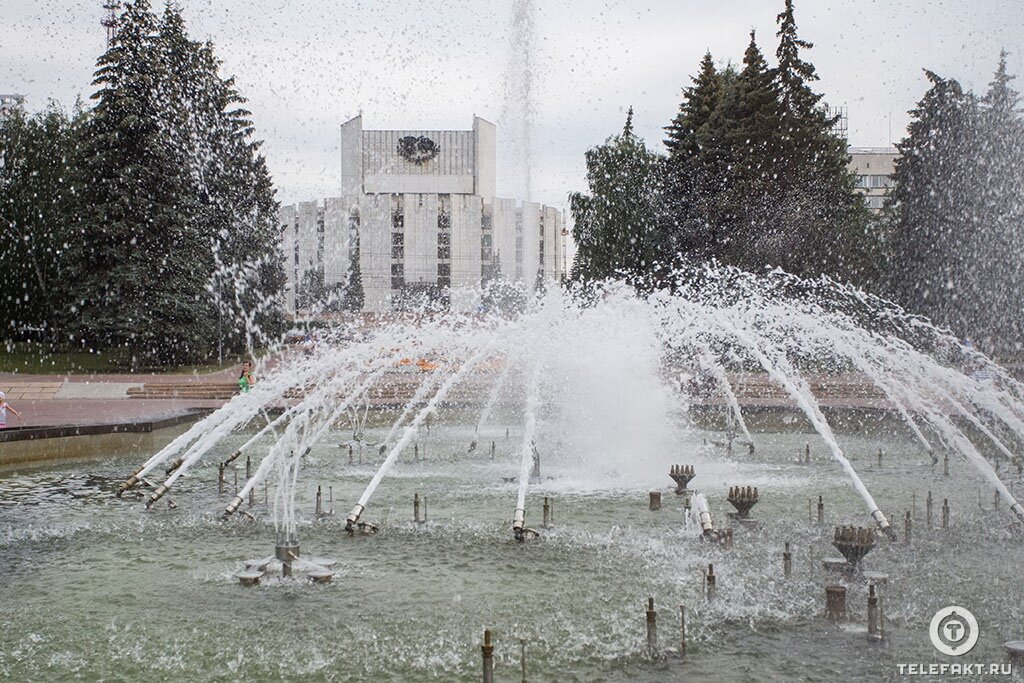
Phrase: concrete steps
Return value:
(221, 391)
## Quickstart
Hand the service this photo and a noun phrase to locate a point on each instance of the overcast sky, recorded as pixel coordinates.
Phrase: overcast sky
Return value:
(307, 66)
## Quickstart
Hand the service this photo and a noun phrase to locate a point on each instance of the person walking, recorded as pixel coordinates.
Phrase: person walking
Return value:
(4, 407)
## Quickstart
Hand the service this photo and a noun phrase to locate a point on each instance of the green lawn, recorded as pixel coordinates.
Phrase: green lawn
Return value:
(33, 359)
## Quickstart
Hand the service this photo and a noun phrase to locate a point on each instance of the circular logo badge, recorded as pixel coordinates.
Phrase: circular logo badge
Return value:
(954, 631)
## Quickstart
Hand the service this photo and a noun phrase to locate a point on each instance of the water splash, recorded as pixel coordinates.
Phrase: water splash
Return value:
(519, 104)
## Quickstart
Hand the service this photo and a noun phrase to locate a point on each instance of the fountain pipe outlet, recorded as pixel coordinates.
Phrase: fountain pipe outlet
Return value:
(175, 465)
(157, 495)
(232, 506)
(234, 456)
(883, 525)
(706, 525)
(518, 522)
(518, 519)
(131, 481)
(353, 517)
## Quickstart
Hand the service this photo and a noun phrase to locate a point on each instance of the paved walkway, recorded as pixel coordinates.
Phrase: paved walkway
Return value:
(58, 413)
(56, 400)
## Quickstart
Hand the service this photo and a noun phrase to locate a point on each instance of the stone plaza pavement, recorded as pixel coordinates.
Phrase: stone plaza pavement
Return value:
(73, 400)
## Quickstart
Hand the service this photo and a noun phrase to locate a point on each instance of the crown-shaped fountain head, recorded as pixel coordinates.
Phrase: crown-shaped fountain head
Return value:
(681, 475)
(854, 542)
(743, 498)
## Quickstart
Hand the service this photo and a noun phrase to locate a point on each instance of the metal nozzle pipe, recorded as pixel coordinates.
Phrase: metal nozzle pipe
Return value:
(518, 520)
(175, 465)
(232, 506)
(234, 456)
(1018, 511)
(883, 524)
(132, 480)
(705, 521)
(157, 495)
(353, 517)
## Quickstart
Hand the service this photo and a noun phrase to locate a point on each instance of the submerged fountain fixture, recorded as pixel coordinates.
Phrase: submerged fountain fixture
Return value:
(854, 542)
(743, 499)
(531, 365)
(682, 475)
(519, 529)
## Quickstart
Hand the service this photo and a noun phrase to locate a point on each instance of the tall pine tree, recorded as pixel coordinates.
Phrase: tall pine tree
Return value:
(616, 228)
(930, 216)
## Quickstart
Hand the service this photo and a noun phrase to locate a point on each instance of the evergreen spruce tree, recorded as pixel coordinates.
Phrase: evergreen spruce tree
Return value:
(994, 276)
(697, 169)
(818, 224)
(616, 228)
(751, 130)
(35, 200)
(181, 222)
(699, 102)
(930, 216)
(127, 168)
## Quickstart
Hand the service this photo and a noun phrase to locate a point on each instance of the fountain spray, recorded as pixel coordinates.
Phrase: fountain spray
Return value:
(411, 430)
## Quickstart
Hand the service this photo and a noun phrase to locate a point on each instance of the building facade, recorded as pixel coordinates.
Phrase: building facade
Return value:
(10, 103)
(417, 211)
(874, 167)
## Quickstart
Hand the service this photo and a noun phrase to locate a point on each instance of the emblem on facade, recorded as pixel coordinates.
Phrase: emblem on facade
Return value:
(417, 149)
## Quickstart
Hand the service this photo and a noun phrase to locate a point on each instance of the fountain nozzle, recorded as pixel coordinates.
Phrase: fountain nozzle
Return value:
(706, 525)
(518, 522)
(519, 528)
(175, 465)
(883, 525)
(232, 506)
(743, 498)
(132, 480)
(157, 495)
(1018, 511)
(682, 475)
(353, 517)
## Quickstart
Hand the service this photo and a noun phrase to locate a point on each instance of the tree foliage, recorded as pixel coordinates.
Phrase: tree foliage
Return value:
(616, 224)
(754, 176)
(167, 222)
(956, 211)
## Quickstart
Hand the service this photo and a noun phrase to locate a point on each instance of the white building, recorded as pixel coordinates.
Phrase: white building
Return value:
(420, 208)
(874, 167)
(11, 103)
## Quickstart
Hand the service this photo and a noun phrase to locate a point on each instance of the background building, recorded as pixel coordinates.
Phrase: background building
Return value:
(874, 167)
(418, 207)
(11, 102)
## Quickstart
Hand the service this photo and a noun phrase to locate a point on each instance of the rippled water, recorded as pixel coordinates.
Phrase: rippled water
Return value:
(95, 588)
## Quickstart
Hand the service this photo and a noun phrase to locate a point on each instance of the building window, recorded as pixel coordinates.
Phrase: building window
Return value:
(444, 245)
(320, 241)
(397, 245)
(397, 212)
(444, 275)
(485, 247)
(397, 275)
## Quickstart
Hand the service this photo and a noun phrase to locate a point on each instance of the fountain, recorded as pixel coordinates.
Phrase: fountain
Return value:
(854, 543)
(601, 388)
(743, 499)
(682, 475)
